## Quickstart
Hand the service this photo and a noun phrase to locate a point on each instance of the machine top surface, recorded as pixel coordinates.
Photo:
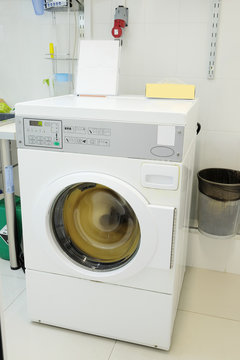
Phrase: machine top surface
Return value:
(115, 108)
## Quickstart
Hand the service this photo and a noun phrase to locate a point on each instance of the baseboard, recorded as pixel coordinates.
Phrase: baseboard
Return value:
(213, 253)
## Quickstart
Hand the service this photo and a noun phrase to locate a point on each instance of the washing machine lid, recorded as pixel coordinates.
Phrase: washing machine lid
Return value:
(115, 108)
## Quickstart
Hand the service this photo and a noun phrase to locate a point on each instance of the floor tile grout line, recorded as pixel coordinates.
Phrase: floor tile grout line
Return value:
(13, 301)
(115, 342)
(209, 315)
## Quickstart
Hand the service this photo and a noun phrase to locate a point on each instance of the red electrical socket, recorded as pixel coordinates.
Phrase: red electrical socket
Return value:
(117, 28)
(120, 21)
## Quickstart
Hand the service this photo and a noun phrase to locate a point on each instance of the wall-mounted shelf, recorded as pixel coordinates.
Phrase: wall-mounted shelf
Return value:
(70, 27)
(61, 58)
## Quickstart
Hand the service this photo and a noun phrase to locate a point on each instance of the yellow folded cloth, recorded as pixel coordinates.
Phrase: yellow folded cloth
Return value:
(170, 91)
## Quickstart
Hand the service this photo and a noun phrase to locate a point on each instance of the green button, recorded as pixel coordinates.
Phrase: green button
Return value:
(56, 143)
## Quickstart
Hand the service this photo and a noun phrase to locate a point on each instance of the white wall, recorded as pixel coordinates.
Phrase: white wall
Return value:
(169, 39)
(165, 39)
(24, 43)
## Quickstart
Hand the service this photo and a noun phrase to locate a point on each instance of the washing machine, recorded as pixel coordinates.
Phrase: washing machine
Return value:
(105, 189)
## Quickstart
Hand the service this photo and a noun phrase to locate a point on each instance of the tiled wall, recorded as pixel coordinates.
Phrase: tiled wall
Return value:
(169, 39)
(165, 39)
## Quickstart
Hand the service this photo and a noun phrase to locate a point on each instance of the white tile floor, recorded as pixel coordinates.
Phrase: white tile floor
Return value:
(207, 326)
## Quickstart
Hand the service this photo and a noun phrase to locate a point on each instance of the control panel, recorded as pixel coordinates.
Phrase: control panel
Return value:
(43, 133)
(95, 136)
(102, 137)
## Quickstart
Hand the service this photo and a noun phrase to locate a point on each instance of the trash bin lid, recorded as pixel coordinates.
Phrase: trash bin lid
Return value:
(220, 184)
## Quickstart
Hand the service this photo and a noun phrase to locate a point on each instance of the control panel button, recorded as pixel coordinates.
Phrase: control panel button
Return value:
(91, 141)
(80, 130)
(99, 131)
(104, 143)
(70, 140)
(107, 132)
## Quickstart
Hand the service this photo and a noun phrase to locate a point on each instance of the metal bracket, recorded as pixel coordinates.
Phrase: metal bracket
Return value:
(81, 23)
(213, 38)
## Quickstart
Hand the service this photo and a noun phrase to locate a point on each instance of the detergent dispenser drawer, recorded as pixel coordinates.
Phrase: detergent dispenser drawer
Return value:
(158, 176)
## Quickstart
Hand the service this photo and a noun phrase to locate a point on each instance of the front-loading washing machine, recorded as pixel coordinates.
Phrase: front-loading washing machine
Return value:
(105, 191)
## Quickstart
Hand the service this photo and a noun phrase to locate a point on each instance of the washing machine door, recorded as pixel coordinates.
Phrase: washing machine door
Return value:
(95, 226)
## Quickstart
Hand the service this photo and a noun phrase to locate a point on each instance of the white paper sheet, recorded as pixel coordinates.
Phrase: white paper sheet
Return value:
(98, 67)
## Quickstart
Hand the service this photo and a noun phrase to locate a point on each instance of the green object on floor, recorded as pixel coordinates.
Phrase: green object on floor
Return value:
(4, 248)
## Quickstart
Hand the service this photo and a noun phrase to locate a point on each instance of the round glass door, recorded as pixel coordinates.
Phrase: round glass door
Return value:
(95, 226)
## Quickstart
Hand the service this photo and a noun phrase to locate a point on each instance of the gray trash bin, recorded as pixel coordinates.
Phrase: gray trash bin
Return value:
(219, 202)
